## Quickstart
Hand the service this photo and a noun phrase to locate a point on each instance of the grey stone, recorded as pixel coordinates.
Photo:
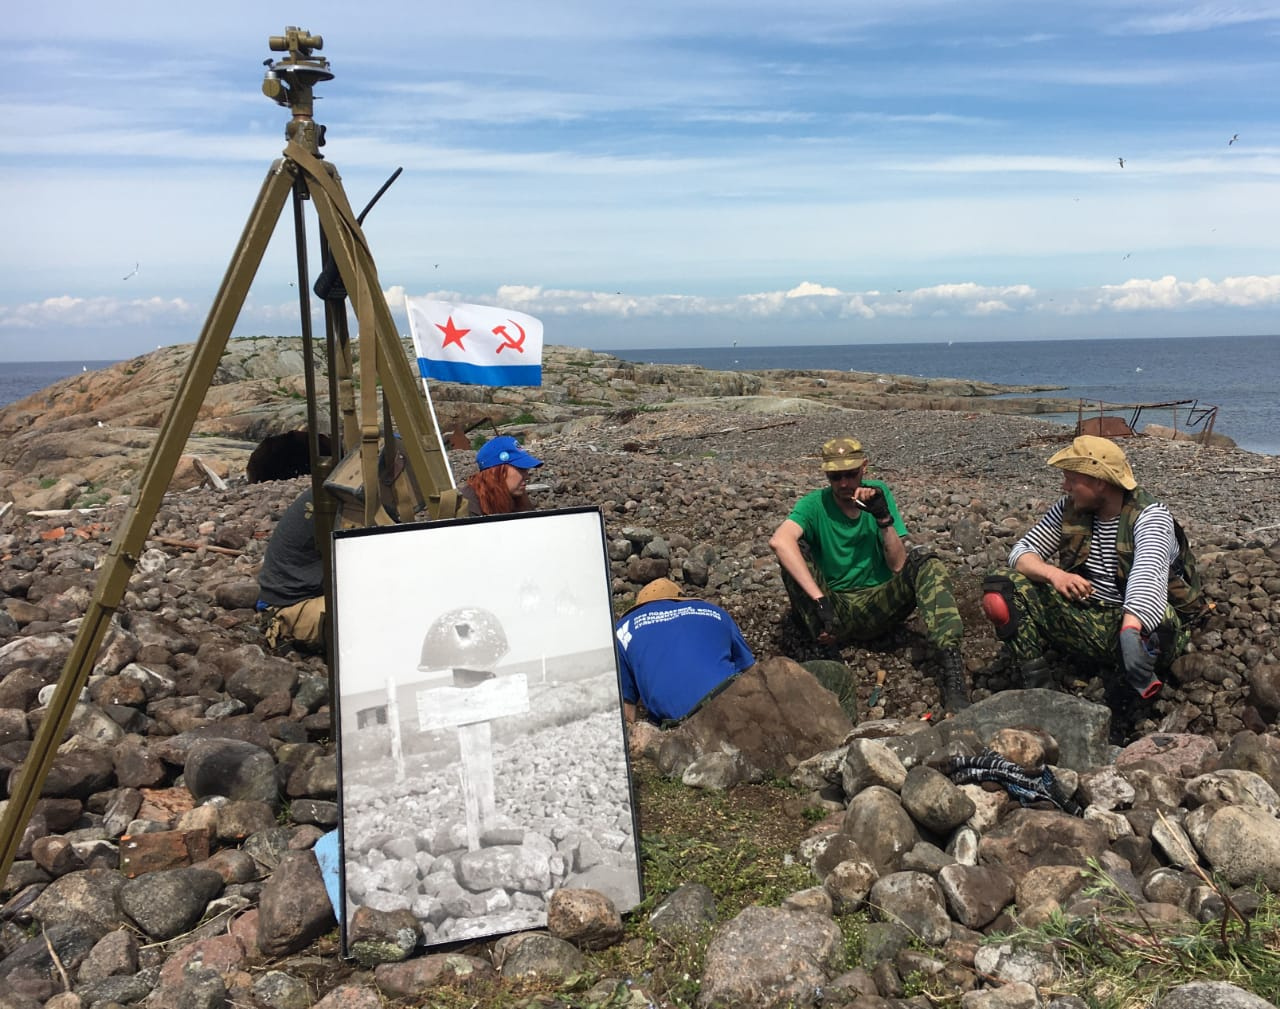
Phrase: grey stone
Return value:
(1079, 726)
(1211, 995)
(167, 903)
(934, 801)
(790, 954)
(870, 762)
(880, 827)
(1243, 844)
(535, 955)
(233, 768)
(975, 894)
(690, 908)
(916, 902)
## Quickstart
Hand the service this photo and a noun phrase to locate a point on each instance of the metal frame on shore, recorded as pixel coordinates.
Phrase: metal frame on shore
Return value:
(1103, 419)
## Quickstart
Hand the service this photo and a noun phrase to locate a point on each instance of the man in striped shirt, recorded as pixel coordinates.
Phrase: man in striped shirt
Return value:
(1093, 579)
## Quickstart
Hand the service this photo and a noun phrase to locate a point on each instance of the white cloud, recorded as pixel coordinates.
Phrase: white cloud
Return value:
(94, 313)
(1199, 18)
(1169, 294)
(990, 308)
(811, 290)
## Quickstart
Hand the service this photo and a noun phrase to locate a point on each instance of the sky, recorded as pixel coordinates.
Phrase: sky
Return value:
(663, 174)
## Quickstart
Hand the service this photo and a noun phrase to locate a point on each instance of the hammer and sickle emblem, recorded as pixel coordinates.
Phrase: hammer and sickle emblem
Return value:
(507, 340)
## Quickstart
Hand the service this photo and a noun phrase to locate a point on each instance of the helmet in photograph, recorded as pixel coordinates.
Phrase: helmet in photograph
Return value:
(466, 638)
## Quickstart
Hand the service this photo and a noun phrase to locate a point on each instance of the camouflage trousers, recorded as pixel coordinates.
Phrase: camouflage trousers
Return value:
(302, 624)
(1086, 631)
(863, 614)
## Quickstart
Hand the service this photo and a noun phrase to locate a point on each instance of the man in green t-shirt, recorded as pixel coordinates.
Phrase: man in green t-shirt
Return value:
(850, 576)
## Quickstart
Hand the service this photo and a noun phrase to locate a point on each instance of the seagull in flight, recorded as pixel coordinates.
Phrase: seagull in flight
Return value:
(1234, 138)
(135, 270)
(1121, 160)
(1126, 255)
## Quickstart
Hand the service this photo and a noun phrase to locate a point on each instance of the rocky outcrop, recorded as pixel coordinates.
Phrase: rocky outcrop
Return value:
(85, 440)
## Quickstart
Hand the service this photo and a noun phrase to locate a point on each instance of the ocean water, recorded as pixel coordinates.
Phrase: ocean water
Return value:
(19, 379)
(1237, 374)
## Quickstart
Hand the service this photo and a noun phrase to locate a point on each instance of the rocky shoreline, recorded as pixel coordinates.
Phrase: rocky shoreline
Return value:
(169, 860)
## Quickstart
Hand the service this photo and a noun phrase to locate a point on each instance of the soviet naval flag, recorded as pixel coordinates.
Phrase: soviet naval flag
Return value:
(475, 344)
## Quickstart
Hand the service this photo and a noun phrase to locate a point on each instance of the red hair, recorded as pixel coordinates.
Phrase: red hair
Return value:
(491, 490)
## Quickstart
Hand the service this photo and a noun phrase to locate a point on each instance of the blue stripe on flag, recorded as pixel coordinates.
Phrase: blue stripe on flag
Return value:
(477, 374)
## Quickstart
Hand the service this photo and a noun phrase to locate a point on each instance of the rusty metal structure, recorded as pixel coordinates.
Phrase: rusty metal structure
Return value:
(1108, 419)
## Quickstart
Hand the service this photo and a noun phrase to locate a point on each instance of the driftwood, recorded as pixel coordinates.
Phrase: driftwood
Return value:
(210, 477)
(189, 545)
(63, 513)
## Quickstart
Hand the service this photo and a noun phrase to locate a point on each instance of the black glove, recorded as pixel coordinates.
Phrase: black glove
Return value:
(826, 613)
(1139, 663)
(878, 506)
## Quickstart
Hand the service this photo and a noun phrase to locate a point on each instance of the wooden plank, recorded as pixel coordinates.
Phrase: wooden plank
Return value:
(476, 746)
(443, 707)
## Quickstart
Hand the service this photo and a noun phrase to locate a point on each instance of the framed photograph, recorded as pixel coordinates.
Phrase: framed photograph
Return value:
(481, 752)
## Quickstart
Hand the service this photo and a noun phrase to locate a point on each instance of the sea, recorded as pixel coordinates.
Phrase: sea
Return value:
(1239, 375)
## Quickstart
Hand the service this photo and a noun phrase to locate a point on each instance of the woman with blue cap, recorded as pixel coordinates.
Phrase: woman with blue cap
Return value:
(499, 486)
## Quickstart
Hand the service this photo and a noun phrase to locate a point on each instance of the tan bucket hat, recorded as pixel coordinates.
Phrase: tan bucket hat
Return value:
(1096, 457)
(841, 454)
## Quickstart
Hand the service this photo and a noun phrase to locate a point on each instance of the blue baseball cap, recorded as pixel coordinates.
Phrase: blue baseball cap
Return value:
(505, 449)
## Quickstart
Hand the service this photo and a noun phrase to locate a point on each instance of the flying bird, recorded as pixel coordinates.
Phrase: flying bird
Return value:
(1121, 160)
(135, 270)
(1126, 256)
(1234, 138)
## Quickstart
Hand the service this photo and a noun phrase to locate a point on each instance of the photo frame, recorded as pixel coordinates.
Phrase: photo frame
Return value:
(482, 759)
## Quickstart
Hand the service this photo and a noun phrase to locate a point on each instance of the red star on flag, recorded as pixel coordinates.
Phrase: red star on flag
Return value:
(452, 334)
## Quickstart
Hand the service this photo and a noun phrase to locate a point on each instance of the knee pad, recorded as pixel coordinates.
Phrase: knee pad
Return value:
(999, 603)
(917, 557)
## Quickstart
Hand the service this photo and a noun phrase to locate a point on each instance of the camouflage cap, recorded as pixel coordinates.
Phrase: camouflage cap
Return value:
(841, 454)
(1096, 457)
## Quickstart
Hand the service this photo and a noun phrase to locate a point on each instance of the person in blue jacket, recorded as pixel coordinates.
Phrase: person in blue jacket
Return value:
(675, 653)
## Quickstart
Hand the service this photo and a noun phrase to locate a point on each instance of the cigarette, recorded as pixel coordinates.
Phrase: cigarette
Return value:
(858, 502)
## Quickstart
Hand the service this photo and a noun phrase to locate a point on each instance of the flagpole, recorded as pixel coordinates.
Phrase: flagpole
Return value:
(431, 412)
(431, 408)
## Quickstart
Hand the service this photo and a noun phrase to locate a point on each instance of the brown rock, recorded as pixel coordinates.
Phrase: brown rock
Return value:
(586, 918)
(162, 849)
(775, 713)
(1034, 837)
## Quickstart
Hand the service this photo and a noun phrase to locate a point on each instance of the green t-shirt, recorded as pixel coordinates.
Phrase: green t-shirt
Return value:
(848, 551)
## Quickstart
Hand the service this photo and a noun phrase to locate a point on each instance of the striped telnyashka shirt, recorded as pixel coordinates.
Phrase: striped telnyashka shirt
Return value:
(1155, 548)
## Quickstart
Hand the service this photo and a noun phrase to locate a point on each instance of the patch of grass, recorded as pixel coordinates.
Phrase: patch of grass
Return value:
(46, 482)
(1121, 959)
(523, 418)
(737, 843)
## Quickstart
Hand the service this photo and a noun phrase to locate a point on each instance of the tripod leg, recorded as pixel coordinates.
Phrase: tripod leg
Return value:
(131, 537)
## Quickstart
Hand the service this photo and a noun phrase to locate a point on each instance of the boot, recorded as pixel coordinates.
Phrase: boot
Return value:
(955, 694)
(1123, 719)
(1035, 673)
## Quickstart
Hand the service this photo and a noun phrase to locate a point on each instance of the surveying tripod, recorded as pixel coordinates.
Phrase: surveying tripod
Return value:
(302, 172)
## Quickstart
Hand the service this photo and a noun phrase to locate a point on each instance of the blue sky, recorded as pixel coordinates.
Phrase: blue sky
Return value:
(661, 174)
